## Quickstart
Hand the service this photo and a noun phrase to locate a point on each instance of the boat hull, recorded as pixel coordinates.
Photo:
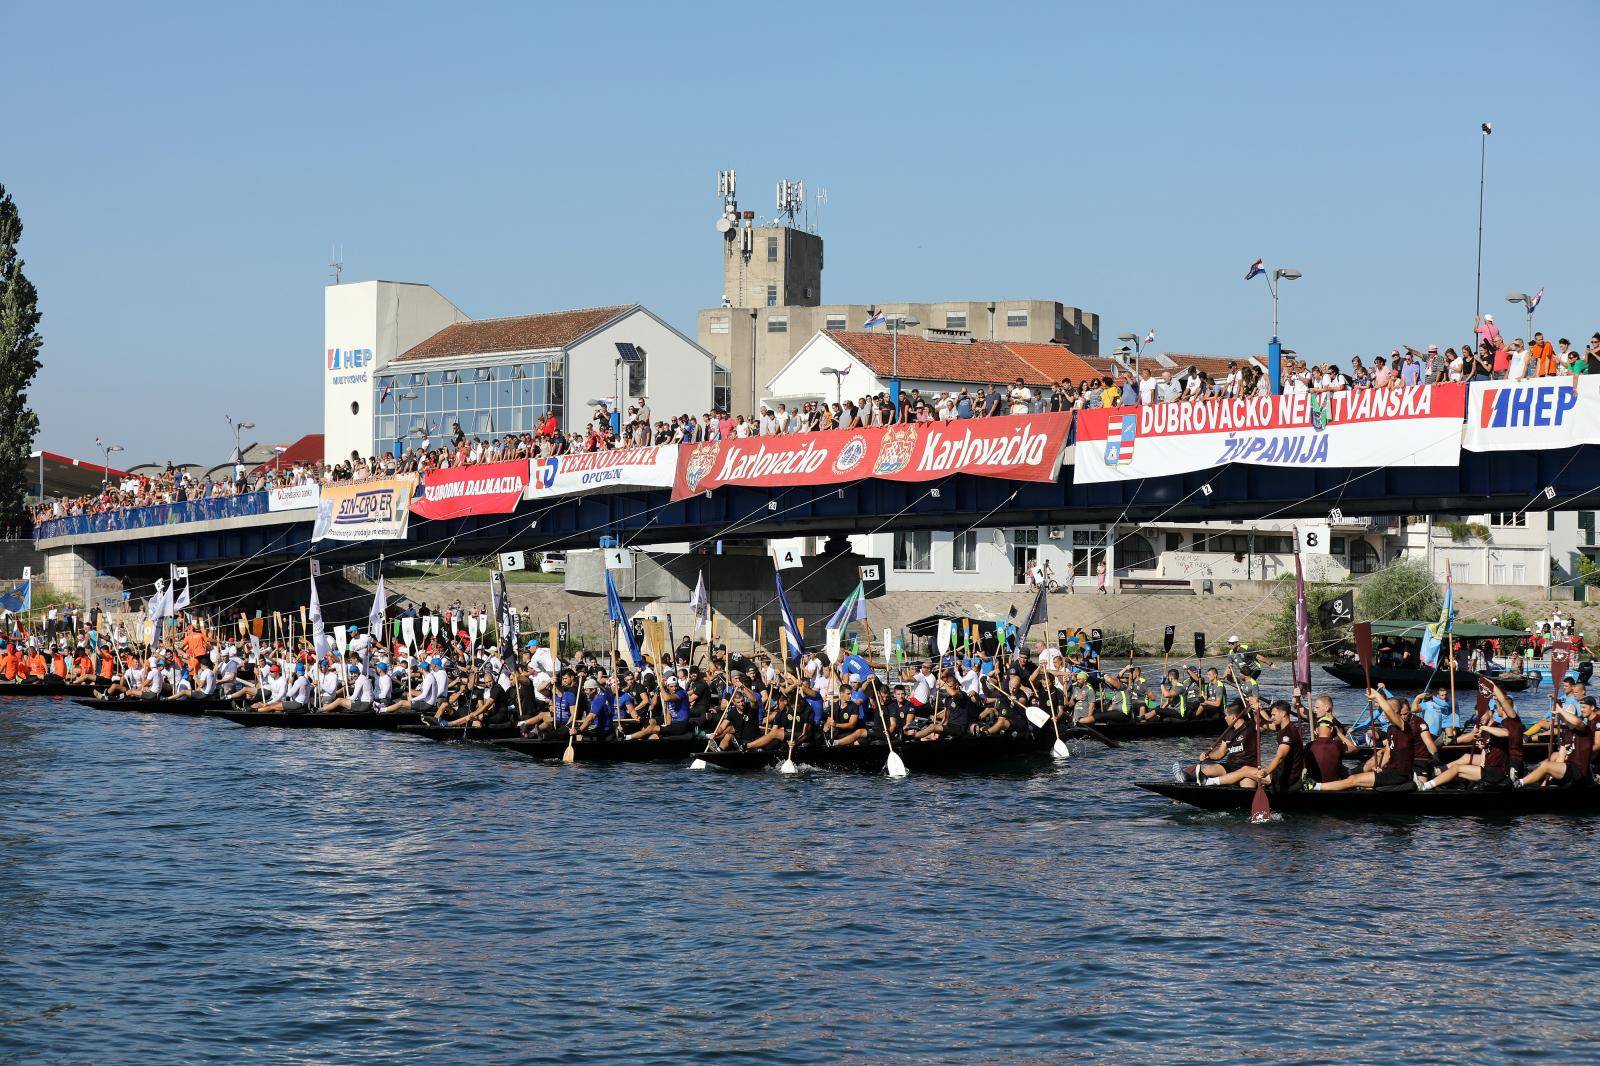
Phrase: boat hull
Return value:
(1407, 680)
(1357, 803)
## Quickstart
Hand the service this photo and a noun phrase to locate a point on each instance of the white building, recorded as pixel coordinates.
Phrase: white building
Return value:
(404, 363)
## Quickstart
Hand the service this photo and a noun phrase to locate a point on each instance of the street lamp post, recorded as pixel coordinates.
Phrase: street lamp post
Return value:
(1275, 349)
(106, 451)
(1483, 162)
(838, 382)
(896, 325)
(238, 448)
(1138, 348)
(1527, 307)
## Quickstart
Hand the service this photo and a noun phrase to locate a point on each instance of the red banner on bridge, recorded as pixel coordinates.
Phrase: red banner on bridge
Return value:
(490, 488)
(1022, 447)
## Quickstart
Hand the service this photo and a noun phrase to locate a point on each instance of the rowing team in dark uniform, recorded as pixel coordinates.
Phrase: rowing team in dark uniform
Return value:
(1406, 754)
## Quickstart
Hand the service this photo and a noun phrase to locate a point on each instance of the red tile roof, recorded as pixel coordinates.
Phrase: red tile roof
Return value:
(524, 333)
(974, 362)
(1055, 361)
(308, 449)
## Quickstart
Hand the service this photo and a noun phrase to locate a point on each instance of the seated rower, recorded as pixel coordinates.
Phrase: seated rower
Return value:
(1498, 736)
(1288, 764)
(1329, 745)
(1117, 702)
(782, 716)
(954, 715)
(273, 691)
(1570, 761)
(847, 719)
(1394, 764)
(599, 719)
(1229, 760)
(739, 723)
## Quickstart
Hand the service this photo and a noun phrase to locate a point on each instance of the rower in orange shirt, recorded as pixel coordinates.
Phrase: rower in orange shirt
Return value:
(37, 667)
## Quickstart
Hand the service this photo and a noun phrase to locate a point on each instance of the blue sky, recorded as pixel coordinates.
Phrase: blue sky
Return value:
(183, 170)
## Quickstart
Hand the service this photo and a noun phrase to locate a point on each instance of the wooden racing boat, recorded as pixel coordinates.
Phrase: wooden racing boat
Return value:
(1355, 803)
(456, 732)
(1408, 679)
(318, 720)
(590, 750)
(1161, 727)
(964, 753)
(195, 708)
(44, 689)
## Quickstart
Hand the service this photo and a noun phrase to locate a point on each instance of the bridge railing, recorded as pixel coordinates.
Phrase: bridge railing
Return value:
(161, 514)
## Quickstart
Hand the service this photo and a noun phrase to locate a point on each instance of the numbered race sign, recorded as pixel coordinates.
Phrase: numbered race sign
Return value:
(1313, 538)
(513, 561)
(619, 558)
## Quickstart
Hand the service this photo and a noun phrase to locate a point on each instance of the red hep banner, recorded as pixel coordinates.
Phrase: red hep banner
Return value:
(489, 488)
(1023, 447)
(1415, 426)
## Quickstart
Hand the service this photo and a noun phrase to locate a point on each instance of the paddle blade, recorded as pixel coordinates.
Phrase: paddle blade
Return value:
(1059, 749)
(897, 766)
(1363, 631)
(698, 764)
(1037, 717)
(1200, 645)
(1260, 807)
(568, 756)
(1485, 694)
(787, 766)
(1166, 638)
(1560, 661)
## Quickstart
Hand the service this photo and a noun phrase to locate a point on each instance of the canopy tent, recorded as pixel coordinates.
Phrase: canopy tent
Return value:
(1461, 630)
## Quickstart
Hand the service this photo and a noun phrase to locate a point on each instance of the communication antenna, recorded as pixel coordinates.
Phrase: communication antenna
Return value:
(821, 197)
(335, 264)
(727, 184)
(791, 201)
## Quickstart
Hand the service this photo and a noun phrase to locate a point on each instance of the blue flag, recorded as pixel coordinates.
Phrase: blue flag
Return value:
(853, 609)
(797, 644)
(619, 621)
(1434, 638)
(19, 600)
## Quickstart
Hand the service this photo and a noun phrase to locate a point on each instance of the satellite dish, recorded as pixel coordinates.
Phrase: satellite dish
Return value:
(723, 225)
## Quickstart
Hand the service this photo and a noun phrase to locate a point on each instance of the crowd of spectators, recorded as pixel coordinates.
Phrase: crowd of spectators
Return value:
(1487, 356)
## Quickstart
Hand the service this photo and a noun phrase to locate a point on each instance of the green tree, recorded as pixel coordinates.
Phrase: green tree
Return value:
(19, 362)
(1281, 636)
(1403, 591)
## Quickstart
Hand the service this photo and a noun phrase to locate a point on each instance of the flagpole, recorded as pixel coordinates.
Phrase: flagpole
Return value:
(1483, 161)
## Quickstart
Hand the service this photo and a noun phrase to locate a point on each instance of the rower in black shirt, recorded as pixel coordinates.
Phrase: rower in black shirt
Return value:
(955, 713)
(1394, 763)
(1230, 760)
(1288, 764)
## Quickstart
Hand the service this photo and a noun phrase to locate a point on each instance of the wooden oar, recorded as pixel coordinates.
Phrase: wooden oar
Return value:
(788, 766)
(570, 756)
(896, 766)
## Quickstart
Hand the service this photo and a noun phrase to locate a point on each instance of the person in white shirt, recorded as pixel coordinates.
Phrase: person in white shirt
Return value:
(155, 681)
(1518, 368)
(298, 696)
(382, 686)
(1168, 390)
(273, 690)
(1147, 388)
(922, 685)
(1021, 398)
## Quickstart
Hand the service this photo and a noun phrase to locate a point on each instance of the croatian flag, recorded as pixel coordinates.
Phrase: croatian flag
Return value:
(875, 317)
(1150, 337)
(1533, 301)
(1255, 268)
(1119, 445)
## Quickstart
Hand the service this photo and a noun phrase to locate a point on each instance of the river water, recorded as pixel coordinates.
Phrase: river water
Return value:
(178, 890)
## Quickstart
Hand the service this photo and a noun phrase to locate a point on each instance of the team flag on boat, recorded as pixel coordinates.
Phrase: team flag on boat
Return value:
(700, 604)
(1433, 640)
(797, 643)
(1038, 614)
(1302, 633)
(1255, 268)
(319, 632)
(380, 607)
(180, 573)
(625, 642)
(853, 609)
(20, 599)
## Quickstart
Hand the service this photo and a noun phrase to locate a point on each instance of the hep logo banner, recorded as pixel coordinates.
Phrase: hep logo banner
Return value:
(1526, 406)
(349, 358)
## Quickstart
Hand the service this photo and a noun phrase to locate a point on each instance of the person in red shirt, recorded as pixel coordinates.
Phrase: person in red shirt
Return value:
(1397, 760)
(1570, 764)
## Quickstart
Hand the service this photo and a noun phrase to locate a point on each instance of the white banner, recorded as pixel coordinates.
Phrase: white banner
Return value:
(1520, 416)
(365, 510)
(293, 497)
(562, 475)
(1416, 426)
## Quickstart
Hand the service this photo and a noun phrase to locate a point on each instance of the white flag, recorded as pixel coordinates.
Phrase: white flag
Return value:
(408, 631)
(319, 635)
(341, 637)
(380, 606)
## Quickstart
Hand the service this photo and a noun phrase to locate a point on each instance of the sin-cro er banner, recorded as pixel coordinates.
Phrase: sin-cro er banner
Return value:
(365, 510)
(293, 497)
(1522, 416)
(1023, 447)
(1415, 426)
(489, 488)
(562, 475)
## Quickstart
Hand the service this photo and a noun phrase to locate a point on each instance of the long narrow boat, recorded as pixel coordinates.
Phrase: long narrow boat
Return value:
(965, 753)
(196, 708)
(318, 720)
(456, 732)
(1161, 727)
(1357, 803)
(667, 749)
(1408, 679)
(43, 690)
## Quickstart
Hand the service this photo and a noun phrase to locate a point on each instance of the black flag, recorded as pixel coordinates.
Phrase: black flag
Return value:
(1200, 645)
(1339, 611)
(1166, 638)
(1094, 640)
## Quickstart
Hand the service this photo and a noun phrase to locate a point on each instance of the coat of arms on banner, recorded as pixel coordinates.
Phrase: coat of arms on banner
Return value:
(701, 460)
(894, 454)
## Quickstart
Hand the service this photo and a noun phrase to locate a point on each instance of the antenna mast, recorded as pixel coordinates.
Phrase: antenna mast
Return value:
(335, 264)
